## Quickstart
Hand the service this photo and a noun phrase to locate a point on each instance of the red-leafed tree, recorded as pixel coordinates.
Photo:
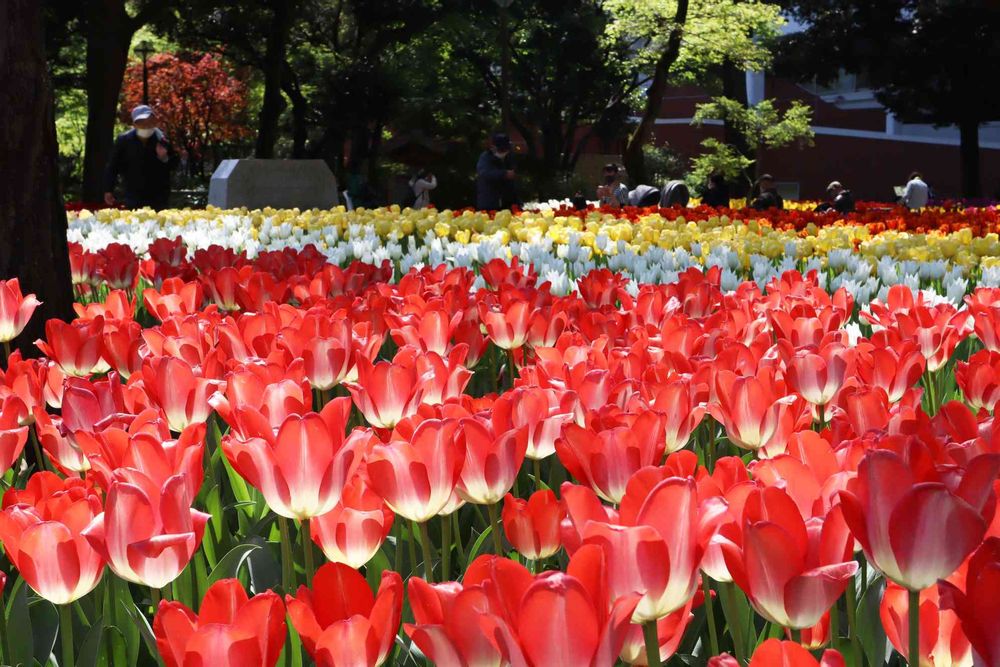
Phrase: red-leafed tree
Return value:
(199, 102)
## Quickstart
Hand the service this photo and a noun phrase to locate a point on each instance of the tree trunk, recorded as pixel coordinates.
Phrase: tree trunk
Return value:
(32, 217)
(734, 86)
(632, 156)
(300, 106)
(274, 63)
(969, 153)
(109, 34)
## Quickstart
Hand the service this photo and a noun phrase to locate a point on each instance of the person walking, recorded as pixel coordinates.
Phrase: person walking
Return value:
(917, 193)
(495, 176)
(144, 159)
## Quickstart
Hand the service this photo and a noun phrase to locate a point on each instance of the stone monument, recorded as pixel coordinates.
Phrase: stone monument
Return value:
(276, 183)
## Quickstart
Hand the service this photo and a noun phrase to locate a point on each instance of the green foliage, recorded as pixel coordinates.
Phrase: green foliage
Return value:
(716, 31)
(718, 158)
(663, 163)
(762, 126)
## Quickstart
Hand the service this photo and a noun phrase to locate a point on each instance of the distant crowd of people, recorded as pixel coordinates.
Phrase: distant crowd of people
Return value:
(143, 158)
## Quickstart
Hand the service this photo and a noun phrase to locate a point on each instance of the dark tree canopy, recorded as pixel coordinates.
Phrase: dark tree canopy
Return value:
(928, 61)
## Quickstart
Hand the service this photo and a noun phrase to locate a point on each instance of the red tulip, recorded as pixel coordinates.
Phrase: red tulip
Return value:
(116, 308)
(24, 380)
(669, 632)
(354, 530)
(507, 323)
(387, 392)
(256, 400)
(429, 331)
(756, 411)
(230, 629)
(658, 553)
(173, 386)
(777, 653)
(501, 615)
(606, 460)
(916, 520)
(492, 461)
(302, 469)
(76, 347)
(417, 477)
(448, 618)
(893, 368)
(979, 380)
(122, 342)
(942, 642)
(818, 375)
(174, 298)
(341, 622)
(532, 525)
(12, 436)
(541, 411)
(15, 309)
(147, 532)
(42, 528)
(119, 267)
(678, 401)
(791, 570)
(978, 605)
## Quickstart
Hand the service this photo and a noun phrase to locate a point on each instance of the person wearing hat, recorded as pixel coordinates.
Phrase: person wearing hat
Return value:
(143, 158)
(838, 198)
(495, 176)
(767, 194)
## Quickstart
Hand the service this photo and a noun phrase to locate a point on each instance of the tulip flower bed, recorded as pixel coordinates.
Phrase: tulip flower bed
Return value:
(248, 449)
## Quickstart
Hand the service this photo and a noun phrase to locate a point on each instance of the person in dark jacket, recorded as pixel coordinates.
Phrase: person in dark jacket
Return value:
(143, 158)
(495, 176)
(767, 195)
(838, 198)
(716, 192)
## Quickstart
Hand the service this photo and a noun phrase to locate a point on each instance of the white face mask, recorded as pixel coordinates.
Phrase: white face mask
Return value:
(500, 154)
(145, 133)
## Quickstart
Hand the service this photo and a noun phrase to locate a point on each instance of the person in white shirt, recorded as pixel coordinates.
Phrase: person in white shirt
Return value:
(916, 193)
(422, 184)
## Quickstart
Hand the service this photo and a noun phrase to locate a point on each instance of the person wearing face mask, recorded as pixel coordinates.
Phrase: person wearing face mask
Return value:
(143, 158)
(495, 176)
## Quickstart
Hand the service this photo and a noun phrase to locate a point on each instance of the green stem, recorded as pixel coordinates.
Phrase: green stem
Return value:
(511, 373)
(6, 353)
(796, 635)
(713, 633)
(913, 656)
(411, 544)
(852, 617)
(458, 542)
(536, 466)
(397, 556)
(495, 523)
(427, 551)
(4, 637)
(287, 560)
(66, 635)
(37, 447)
(154, 596)
(446, 548)
(652, 641)
(307, 552)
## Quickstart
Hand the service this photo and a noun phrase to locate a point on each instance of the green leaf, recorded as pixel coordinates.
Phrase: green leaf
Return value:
(375, 567)
(474, 551)
(265, 570)
(44, 627)
(869, 624)
(19, 625)
(90, 650)
(142, 625)
(231, 563)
